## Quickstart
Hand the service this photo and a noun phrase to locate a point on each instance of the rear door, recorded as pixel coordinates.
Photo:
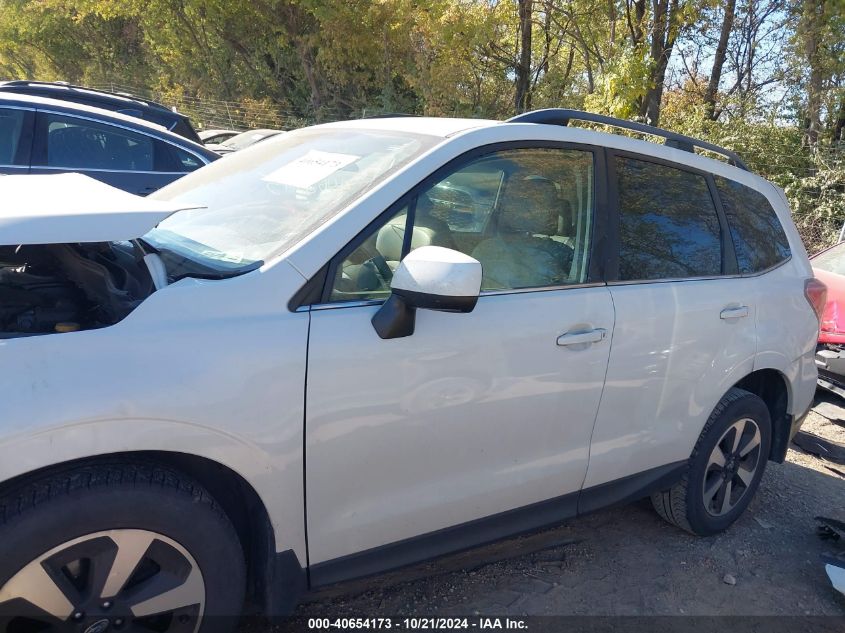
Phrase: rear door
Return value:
(16, 125)
(119, 156)
(685, 319)
(474, 415)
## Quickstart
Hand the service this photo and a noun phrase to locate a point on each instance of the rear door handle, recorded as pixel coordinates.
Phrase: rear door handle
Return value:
(580, 338)
(734, 313)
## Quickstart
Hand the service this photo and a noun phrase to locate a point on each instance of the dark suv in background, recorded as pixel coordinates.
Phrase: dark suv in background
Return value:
(123, 103)
(45, 136)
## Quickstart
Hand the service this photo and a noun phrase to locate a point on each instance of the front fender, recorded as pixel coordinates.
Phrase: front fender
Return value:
(214, 370)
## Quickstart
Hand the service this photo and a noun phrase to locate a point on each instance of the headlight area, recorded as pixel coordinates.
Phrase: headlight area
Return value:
(59, 288)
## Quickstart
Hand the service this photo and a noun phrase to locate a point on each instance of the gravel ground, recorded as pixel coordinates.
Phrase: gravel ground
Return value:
(627, 561)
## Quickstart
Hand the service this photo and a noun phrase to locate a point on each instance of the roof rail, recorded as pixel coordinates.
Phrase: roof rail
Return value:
(561, 116)
(64, 84)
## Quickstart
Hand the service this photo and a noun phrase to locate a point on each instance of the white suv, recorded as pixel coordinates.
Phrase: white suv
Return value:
(379, 341)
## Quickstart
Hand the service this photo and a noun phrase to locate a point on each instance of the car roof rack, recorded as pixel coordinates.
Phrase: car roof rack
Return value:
(562, 116)
(64, 84)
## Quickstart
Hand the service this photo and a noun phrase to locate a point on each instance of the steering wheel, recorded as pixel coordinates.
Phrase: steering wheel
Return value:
(382, 267)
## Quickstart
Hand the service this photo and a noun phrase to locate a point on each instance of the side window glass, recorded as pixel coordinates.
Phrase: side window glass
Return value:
(170, 158)
(525, 214)
(186, 162)
(80, 144)
(11, 126)
(668, 225)
(758, 237)
(366, 272)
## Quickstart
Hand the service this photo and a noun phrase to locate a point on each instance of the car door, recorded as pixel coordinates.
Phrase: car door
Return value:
(118, 156)
(15, 139)
(685, 319)
(474, 415)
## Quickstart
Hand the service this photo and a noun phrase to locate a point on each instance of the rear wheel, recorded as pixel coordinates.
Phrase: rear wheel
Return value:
(725, 467)
(118, 547)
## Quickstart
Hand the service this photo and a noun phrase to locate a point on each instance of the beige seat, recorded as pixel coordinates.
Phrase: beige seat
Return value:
(524, 254)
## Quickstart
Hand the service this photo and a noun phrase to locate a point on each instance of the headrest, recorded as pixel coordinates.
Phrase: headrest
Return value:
(391, 235)
(529, 205)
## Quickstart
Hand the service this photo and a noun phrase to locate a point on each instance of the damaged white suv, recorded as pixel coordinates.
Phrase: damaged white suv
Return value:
(364, 344)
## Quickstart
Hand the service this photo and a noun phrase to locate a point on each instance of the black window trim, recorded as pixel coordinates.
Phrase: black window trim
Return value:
(729, 267)
(597, 240)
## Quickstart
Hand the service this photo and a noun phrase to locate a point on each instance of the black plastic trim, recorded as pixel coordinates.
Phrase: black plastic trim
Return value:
(562, 117)
(311, 292)
(493, 528)
(630, 488)
(730, 265)
(396, 318)
(443, 303)
(286, 581)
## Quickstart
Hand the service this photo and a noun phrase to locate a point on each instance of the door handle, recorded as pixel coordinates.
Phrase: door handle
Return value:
(580, 338)
(734, 313)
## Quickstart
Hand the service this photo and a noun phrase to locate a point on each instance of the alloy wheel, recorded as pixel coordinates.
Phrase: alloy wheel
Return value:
(731, 467)
(107, 582)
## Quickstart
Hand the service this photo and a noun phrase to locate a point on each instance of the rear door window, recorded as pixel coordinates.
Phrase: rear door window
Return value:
(11, 129)
(758, 237)
(75, 143)
(668, 224)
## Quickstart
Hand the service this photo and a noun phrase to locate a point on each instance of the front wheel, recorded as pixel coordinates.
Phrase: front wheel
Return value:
(118, 548)
(725, 467)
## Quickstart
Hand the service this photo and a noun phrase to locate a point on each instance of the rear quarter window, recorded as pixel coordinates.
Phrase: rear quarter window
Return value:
(759, 239)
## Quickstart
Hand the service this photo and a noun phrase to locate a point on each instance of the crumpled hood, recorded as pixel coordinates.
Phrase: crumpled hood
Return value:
(71, 208)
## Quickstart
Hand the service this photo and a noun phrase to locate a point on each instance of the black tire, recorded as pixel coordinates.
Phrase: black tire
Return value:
(43, 514)
(684, 504)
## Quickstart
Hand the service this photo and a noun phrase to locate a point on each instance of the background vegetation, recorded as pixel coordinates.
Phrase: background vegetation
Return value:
(763, 77)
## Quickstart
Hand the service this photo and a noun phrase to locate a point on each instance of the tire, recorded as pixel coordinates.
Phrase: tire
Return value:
(133, 545)
(692, 504)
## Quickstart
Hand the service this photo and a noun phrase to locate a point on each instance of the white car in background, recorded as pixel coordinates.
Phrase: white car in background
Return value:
(437, 332)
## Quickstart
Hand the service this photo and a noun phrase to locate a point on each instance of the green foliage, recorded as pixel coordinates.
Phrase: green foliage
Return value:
(291, 62)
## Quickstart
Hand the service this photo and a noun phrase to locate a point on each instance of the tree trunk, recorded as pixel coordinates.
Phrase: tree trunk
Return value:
(522, 98)
(719, 60)
(664, 32)
(812, 15)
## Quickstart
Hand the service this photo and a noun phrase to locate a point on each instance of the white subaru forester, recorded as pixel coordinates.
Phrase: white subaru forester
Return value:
(363, 344)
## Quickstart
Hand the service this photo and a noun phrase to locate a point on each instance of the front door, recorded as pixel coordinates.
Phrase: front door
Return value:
(474, 414)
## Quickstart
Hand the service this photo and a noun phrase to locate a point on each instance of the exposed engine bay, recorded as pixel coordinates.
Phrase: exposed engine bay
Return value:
(54, 288)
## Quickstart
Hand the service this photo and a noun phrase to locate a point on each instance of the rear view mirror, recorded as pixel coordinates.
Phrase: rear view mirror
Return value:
(432, 278)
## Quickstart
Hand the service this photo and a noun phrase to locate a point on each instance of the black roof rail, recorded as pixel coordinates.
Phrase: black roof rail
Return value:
(562, 116)
(389, 115)
(64, 84)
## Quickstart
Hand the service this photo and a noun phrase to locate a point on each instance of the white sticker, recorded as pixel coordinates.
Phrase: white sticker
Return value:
(310, 169)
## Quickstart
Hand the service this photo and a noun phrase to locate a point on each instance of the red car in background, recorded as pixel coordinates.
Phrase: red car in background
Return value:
(829, 268)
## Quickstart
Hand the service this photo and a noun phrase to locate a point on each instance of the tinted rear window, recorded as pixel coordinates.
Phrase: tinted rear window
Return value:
(11, 125)
(759, 239)
(668, 226)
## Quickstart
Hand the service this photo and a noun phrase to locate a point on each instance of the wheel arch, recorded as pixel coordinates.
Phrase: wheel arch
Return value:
(274, 580)
(773, 388)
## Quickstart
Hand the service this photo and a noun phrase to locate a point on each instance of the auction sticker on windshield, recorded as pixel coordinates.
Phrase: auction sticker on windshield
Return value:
(310, 169)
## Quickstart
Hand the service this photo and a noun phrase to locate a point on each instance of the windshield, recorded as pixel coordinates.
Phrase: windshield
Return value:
(831, 260)
(263, 200)
(244, 140)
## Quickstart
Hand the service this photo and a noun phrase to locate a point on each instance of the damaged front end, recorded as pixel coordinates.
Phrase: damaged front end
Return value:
(51, 288)
(70, 259)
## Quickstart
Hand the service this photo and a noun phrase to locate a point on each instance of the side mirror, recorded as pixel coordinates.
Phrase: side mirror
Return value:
(433, 278)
